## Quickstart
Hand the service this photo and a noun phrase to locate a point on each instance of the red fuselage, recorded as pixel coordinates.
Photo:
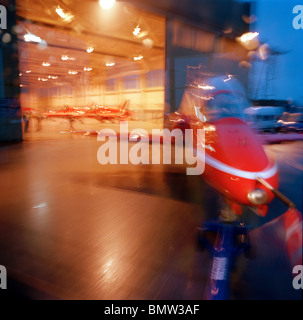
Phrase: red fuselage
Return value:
(234, 158)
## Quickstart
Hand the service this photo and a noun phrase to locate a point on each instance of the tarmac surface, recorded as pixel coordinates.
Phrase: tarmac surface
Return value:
(71, 228)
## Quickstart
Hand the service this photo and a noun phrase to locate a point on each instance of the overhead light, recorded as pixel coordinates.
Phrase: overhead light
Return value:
(72, 72)
(66, 58)
(28, 71)
(138, 33)
(87, 69)
(66, 16)
(249, 40)
(90, 49)
(52, 77)
(138, 58)
(106, 4)
(110, 64)
(29, 37)
(42, 79)
(248, 36)
(137, 30)
(46, 64)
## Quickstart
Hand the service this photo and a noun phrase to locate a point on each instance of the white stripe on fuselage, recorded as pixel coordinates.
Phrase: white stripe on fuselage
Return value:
(265, 174)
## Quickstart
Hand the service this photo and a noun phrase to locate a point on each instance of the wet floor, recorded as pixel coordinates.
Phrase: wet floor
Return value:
(71, 228)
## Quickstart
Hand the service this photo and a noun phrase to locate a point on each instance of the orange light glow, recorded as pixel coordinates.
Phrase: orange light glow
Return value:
(66, 58)
(138, 58)
(32, 38)
(248, 36)
(249, 40)
(106, 4)
(90, 49)
(137, 30)
(66, 16)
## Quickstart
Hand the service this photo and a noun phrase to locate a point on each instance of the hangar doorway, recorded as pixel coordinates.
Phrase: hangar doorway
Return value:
(82, 66)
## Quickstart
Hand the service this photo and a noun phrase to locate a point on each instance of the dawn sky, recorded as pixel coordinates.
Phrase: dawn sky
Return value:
(275, 25)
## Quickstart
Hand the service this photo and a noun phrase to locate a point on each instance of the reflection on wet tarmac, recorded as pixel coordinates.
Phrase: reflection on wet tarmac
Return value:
(73, 229)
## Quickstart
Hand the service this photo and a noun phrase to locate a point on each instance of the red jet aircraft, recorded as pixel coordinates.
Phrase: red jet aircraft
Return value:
(235, 162)
(99, 112)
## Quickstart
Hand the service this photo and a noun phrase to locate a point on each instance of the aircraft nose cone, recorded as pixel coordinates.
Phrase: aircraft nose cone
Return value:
(257, 197)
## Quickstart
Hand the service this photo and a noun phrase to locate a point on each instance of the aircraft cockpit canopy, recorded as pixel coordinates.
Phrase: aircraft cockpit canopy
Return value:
(221, 97)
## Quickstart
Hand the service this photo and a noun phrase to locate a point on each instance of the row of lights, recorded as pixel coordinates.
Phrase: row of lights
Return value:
(108, 64)
(32, 38)
(50, 77)
(68, 17)
(29, 37)
(106, 4)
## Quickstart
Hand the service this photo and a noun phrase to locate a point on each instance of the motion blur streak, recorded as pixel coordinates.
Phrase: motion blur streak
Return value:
(70, 228)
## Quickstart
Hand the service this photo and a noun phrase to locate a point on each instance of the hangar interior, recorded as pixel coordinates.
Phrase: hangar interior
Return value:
(77, 55)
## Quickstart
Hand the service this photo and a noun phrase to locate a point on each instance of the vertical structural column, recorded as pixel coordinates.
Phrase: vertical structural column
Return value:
(10, 110)
(170, 101)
